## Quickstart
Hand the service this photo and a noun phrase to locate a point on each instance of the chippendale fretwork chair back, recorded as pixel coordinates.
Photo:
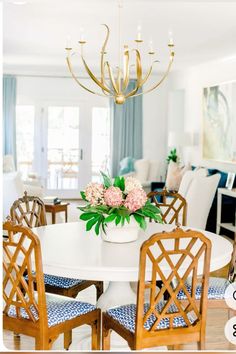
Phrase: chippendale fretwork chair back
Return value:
(173, 256)
(22, 254)
(33, 313)
(29, 211)
(172, 205)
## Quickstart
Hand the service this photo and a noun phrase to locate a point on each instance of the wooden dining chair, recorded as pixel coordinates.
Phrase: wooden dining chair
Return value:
(30, 211)
(37, 314)
(216, 289)
(166, 256)
(172, 205)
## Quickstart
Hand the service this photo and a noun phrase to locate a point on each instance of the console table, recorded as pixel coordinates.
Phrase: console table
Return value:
(227, 226)
(56, 208)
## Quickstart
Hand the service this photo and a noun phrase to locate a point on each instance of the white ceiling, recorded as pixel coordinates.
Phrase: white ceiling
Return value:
(34, 34)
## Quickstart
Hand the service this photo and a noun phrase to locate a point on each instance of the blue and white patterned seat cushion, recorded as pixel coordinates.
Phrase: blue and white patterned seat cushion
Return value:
(216, 289)
(60, 282)
(59, 309)
(126, 316)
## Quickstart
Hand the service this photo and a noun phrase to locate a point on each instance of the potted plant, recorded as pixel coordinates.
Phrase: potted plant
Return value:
(173, 156)
(117, 208)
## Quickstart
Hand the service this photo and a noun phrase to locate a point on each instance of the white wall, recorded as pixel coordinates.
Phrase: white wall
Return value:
(192, 81)
(42, 90)
(155, 126)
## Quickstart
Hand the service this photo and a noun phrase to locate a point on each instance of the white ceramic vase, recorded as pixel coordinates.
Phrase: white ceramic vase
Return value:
(121, 234)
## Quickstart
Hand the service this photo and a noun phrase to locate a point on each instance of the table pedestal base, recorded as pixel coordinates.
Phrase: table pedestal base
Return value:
(117, 294)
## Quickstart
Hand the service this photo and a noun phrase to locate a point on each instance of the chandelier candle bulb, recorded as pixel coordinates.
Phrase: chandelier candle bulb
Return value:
(171, 42)
(82, 34)
(151, 50)
(139, 37)
(68, 43)
(82, 38)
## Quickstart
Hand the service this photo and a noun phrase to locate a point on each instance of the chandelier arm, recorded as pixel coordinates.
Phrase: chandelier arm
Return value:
(112, 78)
(126, 70)
(149, 72)
(93, 77)
(138, 67)
(162, 79)
(106, 80)
(79, 83)
(103, 53)
(139, 75)
(118, 80)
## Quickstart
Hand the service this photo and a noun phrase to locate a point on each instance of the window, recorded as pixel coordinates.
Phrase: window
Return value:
(63, 147)
(25, 139)
(100, 142)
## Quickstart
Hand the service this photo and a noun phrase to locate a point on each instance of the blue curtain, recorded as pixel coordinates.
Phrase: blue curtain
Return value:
(9, 115)
(127, 129)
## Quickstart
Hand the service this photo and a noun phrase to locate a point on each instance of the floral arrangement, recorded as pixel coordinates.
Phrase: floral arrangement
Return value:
(116, 201)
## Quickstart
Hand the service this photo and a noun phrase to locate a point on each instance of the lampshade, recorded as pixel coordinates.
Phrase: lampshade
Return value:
(174, 139)
(178, 139)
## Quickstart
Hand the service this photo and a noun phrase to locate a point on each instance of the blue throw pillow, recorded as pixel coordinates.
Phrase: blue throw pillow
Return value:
(126, 165)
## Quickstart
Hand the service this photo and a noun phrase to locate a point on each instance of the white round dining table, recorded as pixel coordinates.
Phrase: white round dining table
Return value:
(68, 250)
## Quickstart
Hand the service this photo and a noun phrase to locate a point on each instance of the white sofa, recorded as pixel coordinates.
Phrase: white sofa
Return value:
(146, 171)
(13, 188)
(199, 190)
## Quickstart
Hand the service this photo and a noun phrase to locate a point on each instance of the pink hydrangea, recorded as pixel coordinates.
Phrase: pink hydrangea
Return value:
(94, 193)
(113, 197)
(135, 200)
(132, 183)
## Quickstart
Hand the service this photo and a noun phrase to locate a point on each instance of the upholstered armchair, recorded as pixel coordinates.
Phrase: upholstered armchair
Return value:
(146, 171)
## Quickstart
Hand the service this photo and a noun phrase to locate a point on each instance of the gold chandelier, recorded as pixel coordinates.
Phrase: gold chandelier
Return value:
(115, 86)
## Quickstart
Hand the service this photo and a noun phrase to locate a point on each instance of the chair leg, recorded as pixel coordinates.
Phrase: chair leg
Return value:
(99, 289)
(96, 333)
(67, 339)
(201, 344)
(176, 346)
(106, 339)
(42, 343)
(231, 313)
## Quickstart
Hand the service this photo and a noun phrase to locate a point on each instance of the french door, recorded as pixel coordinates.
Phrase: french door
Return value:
(70, 145)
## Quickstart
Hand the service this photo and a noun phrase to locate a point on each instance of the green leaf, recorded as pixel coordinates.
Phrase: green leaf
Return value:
(117, 182)
(87, 216)
(106, 180)
(110, 218)
(143, 224)
(122, 184)
(97, 227)
(118, 219)
(112, 210)
(83, 196)
(122, 220)
(91, 222)
(138, 218)
(127, 218)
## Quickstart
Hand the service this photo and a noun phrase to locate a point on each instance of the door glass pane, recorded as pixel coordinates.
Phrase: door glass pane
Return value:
(25, 139)
(100, 142)
(63, 147)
